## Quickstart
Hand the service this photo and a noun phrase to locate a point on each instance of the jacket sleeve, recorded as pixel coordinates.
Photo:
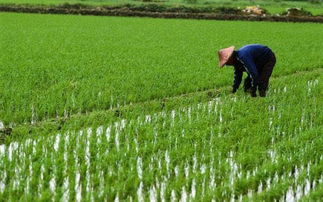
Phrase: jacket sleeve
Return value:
(237, 78)
(251, 68)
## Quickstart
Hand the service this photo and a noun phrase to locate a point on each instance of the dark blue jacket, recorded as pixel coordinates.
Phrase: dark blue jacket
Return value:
(250, 58)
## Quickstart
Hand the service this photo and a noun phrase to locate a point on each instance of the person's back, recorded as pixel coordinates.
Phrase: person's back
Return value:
(259, 54)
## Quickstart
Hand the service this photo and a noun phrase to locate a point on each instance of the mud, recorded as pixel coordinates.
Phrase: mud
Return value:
(131, 12)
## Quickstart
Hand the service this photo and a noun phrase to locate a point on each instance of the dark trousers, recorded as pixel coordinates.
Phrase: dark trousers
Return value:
(264, 76)
(265, 73)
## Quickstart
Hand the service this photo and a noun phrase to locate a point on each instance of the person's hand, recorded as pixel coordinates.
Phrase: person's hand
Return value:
(253, 91)
(253, 94)
(262, 93)
(247, 90)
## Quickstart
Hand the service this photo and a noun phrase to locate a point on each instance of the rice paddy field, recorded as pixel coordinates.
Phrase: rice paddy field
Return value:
(136, 109)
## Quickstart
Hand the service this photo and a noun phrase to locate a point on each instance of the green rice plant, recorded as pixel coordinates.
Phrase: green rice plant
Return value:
(213, 149)
(61, 66)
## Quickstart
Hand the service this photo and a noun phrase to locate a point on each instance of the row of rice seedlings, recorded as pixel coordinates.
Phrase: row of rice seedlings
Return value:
(183, 154)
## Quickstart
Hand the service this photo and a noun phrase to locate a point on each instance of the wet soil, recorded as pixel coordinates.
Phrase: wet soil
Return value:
(126, 11)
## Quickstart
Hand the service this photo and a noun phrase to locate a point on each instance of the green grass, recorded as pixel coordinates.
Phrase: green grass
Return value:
(58, 65)
(136, 108)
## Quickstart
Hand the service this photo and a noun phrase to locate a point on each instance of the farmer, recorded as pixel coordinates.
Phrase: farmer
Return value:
(257, 60)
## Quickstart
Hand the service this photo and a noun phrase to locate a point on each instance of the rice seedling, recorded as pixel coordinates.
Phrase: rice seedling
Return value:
(204, 151)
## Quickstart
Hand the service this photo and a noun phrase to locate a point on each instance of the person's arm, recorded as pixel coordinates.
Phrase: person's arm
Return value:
(237, 79)
(251, 68)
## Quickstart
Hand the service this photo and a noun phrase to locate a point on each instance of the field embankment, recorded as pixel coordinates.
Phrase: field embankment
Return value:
(155, 11)
(272, 6)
